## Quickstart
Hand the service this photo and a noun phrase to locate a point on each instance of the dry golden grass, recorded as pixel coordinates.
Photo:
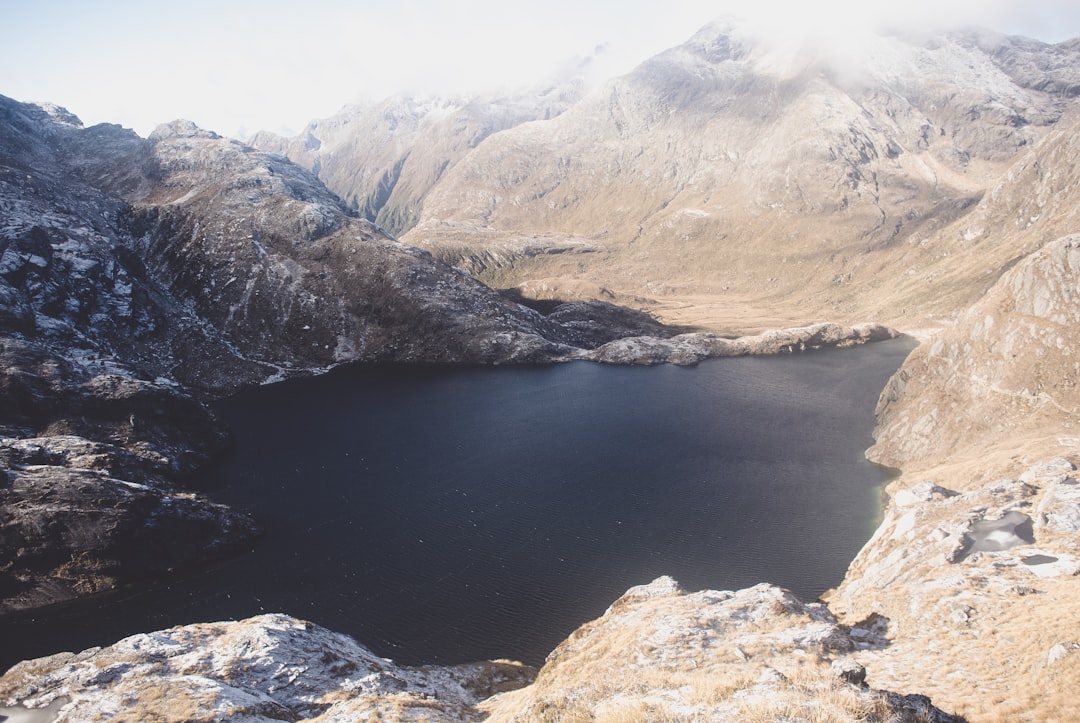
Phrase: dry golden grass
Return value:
(816, 697)
(813, 694)
(636, 712)
(975, 635)
(394, 708)
(169, 701)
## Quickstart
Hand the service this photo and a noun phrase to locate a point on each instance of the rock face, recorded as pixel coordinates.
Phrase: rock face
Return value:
(657, 653)
(269, 668)
(265, 255)
(968, 579)
(72, 524)
(1008, 368)
(691, 348)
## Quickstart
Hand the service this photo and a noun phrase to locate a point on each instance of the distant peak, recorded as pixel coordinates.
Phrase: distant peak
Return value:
(181, 129)
(60, 114)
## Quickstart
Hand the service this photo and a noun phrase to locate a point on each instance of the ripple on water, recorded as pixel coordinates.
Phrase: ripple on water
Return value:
(453, 514)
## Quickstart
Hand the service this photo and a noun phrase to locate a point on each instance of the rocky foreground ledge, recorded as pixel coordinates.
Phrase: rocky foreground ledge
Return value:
(658, 653)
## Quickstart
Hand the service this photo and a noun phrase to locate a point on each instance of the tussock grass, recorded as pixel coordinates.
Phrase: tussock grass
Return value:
(974, 635)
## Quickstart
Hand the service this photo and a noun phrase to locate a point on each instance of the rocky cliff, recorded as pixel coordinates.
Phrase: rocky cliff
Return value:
(978, 557)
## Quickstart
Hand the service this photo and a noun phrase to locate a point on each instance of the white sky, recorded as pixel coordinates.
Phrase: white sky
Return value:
(244, 65)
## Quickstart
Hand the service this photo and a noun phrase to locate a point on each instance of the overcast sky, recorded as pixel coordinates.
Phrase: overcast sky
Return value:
(237, 66)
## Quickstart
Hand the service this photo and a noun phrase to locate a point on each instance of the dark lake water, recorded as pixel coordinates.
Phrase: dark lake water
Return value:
(454, 514)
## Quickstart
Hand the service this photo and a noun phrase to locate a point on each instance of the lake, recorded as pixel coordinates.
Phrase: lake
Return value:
(449, 514)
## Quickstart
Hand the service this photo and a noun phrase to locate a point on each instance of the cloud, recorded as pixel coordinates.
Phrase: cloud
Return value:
(1051, 20)
(275, 65)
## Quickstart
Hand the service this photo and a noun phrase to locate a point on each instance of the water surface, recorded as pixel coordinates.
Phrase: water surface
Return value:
(452, 514)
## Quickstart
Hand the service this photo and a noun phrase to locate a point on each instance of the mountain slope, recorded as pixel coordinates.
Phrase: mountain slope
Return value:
(384, 158)
(784, 174)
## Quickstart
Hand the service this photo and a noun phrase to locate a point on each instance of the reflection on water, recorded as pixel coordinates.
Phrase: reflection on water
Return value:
(452, 514)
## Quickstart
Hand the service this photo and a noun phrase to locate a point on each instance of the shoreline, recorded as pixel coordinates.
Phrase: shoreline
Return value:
(165, 580)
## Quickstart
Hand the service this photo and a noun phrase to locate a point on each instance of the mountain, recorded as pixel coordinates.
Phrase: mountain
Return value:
(384, 158)
(792, 178)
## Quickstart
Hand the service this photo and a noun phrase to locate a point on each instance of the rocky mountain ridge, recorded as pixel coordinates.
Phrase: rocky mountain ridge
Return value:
(384, 158)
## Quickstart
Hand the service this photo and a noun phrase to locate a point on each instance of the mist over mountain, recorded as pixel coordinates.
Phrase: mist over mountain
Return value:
(792, 175)
(384, 158)
(785, 178)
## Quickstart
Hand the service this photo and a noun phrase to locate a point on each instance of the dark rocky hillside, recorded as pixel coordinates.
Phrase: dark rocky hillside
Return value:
(138, 276)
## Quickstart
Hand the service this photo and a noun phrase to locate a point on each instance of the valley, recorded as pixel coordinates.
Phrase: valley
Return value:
(727, 197)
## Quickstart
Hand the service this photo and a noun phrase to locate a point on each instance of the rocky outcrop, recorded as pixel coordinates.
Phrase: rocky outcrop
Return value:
(72, 524)
(269, 668)
(977, 558)
(688, 349)
(261, 252)
(967, 579)
(658, 653)
(93, 469)
(1007, 369)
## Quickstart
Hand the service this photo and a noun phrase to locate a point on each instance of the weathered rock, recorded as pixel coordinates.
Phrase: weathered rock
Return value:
(1061, 651)
(267, 668)
(687, 349)
(1060, 508)
(658, 652)
(274, 262)
(1007, 368)
(964, 579)
(920, 493)
(849, 671)
(68, 528)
